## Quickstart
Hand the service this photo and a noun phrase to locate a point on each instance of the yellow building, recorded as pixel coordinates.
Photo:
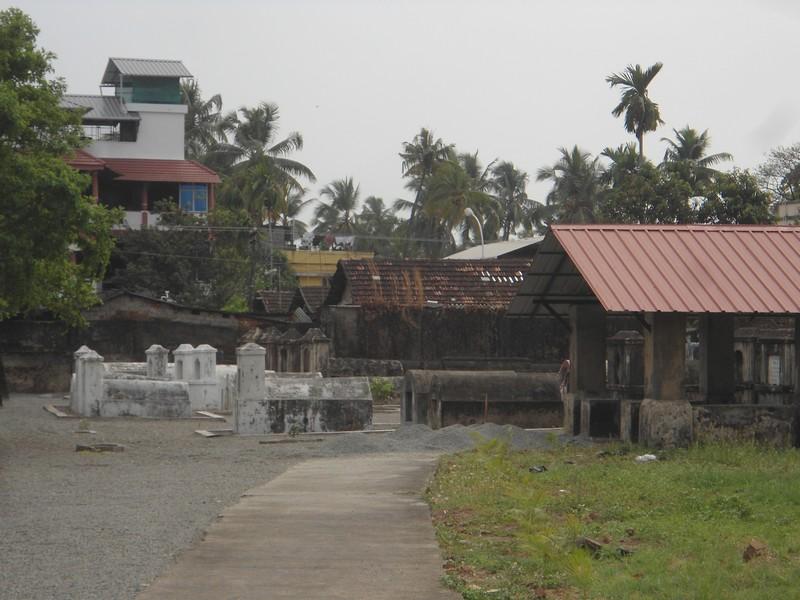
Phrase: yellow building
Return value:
(313, 267)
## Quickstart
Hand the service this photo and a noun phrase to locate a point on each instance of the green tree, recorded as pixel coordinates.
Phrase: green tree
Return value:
(337, 214)
(451, 190)
(779, 174)
(509, 185)
(689, 149)
(44, 212)
(204, 125)
(375, 225)
(641, 113)
(577, 185)
(736, 198)
(420, 158)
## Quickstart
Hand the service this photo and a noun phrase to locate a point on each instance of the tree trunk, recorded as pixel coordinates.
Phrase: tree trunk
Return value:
(3, 386)
(411, 218)
(640, 137)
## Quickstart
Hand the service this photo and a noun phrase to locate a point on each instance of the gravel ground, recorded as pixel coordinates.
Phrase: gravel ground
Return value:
(104, 525)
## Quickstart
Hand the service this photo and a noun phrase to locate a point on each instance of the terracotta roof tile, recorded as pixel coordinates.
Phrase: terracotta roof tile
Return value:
(447, 283)
(171, 171)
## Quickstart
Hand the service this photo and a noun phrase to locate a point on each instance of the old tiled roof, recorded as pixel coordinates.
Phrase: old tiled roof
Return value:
(171, 171)
(99, 108)
(666, 268)
(313, 297)
(446, 283)
(276, 302)
(143, 67)
(83, 161)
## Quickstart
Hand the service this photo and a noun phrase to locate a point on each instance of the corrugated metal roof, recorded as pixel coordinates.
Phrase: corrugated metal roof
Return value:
(446, 283)
(99, 108)
(171, 171)
(143, 67)
(497, 249)
(666, 268)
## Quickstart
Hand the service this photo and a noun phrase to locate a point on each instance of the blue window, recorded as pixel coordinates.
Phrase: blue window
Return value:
(194, 197)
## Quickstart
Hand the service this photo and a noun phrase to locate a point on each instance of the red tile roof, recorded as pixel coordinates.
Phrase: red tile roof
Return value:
(448, 283)
(276, 302)
(667, 268)
(83, 161)
(171, 171)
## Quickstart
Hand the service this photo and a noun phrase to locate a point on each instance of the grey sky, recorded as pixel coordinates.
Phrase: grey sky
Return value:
(514, 80)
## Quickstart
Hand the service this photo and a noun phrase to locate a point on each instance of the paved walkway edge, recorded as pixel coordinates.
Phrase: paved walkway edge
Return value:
(353, 528)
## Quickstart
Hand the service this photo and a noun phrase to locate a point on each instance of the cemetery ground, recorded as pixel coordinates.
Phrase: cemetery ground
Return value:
(717, 521)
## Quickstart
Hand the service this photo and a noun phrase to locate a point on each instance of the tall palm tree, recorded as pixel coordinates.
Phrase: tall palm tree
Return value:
(204, 126)
(337, 215)
(576, 186)
(420, 157)
(509, 185)
(294, 205)
(689, 148)
(376, 223)
(641, 113)
(451, 190)
(624, 160)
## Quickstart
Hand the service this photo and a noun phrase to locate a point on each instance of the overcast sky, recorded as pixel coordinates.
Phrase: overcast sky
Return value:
(514, 80)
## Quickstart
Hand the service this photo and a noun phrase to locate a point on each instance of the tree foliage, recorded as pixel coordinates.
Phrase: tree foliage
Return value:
(44, 212)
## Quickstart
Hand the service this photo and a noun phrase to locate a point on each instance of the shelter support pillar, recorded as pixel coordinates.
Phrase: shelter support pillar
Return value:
(145, 200)
(717, 362)
(665, 417)
(587, 354)
(797, 364)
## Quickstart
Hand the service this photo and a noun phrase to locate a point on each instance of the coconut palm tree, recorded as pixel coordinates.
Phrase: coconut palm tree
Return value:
(451, 190)
(293, 206)
(641, 113)
(204, 126)
(420, 157)
(338, 213)
(689, 148)
(509, 185)
(576, 186)
(624, 159)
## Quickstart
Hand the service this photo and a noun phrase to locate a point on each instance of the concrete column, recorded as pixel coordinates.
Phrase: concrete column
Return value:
(95, 186)
(665, 417)
(250, 372)
(92, 371)
(717, 361)
(145, 204)
(250, 385)
(183, 362)
(664, 356)
(797, 361)
(157, 361)
(212, 198)
(587, 349)
(208, 361)
(77, 383)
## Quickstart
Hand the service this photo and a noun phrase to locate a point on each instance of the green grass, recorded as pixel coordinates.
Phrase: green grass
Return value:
(510, 534)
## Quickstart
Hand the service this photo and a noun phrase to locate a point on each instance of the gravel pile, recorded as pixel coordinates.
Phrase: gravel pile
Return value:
(421, 438)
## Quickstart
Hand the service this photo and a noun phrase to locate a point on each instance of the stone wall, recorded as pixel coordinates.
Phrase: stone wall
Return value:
(425, 335)
(37, 354)
(769, 425)
(442, 398)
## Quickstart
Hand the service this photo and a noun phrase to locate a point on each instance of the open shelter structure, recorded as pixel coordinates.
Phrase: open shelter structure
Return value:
(661, 275)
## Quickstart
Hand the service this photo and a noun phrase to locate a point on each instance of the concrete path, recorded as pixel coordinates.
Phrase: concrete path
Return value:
(353, 528)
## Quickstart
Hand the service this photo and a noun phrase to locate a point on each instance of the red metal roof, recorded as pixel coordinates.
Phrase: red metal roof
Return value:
(83, 161)
(681, 268)
(171, 171)
(448, 283)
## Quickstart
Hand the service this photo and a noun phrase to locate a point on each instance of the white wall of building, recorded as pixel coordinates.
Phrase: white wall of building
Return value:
(160, 134)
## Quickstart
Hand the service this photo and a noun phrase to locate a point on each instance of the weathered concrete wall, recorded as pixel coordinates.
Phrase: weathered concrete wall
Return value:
(37, 354)
(442, 398)
(144, 398)
(422, 335)
(306, 404)
(353, 367)
(665, 423)
(770, 425)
